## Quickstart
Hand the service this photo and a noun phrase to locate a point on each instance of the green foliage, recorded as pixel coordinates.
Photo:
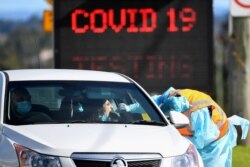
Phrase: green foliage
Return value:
(23, 45)
(241, 156)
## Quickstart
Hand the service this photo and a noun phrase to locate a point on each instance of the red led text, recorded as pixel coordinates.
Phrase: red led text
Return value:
(100, 20)
(154, 67)
(148, 17)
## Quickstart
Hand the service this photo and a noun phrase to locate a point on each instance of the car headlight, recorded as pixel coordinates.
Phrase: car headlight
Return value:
(29, 158)
(189, 159)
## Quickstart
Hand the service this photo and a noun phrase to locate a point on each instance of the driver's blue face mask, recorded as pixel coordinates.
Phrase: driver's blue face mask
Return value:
(23, 107)
(175, 103)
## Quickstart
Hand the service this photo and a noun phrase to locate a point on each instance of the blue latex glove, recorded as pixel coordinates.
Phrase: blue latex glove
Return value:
(244, 123)
(134, 108)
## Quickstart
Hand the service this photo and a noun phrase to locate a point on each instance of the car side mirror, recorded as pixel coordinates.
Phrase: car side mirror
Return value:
(178, 119)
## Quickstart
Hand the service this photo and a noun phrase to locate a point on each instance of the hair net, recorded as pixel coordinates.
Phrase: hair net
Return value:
(175, 103)
(158, 99)
(168, 91)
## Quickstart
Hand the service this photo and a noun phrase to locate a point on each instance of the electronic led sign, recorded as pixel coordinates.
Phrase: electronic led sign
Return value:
(158, 43)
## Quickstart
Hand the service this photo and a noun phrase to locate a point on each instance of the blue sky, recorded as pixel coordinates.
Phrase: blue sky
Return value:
(22, 9)
(30, 5)
(221, 6)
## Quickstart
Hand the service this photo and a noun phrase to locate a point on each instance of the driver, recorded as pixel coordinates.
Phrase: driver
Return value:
(21, 108)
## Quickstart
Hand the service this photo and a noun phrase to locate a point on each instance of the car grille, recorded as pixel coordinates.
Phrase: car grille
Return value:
(86, 163)
(105, 159)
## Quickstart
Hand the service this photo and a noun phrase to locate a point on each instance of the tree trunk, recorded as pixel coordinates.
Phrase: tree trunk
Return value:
(240, 70)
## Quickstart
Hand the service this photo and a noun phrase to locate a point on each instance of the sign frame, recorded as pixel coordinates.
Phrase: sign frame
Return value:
(203, 76)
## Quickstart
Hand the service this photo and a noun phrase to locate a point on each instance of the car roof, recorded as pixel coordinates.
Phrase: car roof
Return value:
(63, 75)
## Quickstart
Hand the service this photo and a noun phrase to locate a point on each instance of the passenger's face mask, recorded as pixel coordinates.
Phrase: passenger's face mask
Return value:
(104, 118)
(23, 107)
(175, 103)
(78, 107)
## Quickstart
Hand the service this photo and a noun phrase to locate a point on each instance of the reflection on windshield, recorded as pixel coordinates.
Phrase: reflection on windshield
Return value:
(36, 102)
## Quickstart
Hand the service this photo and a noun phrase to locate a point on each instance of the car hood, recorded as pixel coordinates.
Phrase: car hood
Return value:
(65, 139)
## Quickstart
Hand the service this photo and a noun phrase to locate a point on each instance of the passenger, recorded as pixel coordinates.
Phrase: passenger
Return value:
(78, 102)
(71, 105)
(73, 102)
(104, 112)
(213, 134)
(21, 108)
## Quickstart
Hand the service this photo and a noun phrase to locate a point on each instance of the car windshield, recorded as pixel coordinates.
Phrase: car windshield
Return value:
(43, 102)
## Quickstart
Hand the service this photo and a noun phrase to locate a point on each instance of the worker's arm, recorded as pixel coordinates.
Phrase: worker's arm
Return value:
(205, 131)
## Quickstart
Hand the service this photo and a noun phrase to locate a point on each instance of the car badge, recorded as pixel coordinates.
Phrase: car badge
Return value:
(119, 162)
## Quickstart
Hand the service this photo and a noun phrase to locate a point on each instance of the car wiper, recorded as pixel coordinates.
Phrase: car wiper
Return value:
(147, 122)
(70, 122)
(76, 121)
(43, 122)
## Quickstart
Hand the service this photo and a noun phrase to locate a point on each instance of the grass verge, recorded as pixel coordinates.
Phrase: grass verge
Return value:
(241, 156)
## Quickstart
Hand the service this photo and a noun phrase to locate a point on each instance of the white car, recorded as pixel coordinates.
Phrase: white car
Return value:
(56, 118)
